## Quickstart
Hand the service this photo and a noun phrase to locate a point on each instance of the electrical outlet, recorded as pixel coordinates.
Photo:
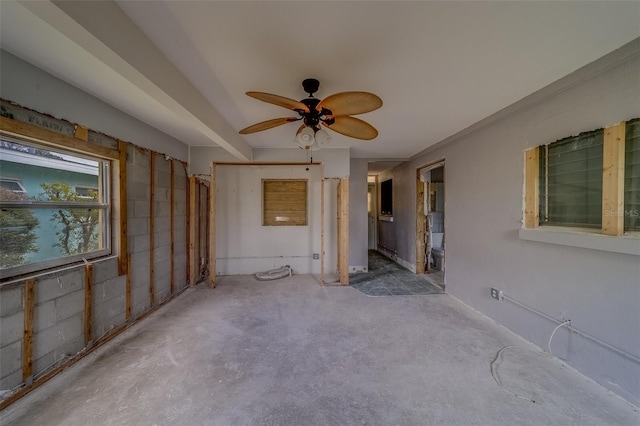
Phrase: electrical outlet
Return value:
(497, 293)
(316, 256)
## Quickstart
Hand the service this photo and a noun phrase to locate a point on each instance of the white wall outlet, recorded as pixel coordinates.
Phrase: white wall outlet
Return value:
(497, 293)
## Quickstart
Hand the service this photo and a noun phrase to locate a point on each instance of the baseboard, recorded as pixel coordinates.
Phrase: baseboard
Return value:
(358, 268)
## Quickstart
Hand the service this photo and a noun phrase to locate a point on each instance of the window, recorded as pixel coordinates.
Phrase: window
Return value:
(12, 185)
(284, 202)
(632, 176)
(62, 213)
(571, 181)
(587, 181)
(386, 197)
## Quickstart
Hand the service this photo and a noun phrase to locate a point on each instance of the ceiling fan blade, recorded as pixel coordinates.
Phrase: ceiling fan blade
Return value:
(353, 127)
(264, 125)
(350, 103)
(279, 100)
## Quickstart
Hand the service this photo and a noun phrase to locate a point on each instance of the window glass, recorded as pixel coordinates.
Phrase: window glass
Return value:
(632, 176)
(61, 216)
(571, 181)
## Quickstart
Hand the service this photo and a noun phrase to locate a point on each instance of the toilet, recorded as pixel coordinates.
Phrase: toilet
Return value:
(437, 250)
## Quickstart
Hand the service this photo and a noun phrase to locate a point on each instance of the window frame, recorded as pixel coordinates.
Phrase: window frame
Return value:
(23, 133)
(16, 181)
(612, 236)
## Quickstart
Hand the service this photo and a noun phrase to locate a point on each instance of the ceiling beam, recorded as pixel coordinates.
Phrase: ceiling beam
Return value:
(103, 30)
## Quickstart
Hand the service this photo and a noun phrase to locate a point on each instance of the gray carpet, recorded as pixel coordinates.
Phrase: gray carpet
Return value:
(387, 278)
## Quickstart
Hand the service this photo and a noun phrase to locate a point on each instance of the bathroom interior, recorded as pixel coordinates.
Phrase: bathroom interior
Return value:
(433, 180)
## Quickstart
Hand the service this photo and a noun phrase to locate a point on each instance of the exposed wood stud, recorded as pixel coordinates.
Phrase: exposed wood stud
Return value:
(343, 231)
(152, 213)
(11, 127)
(322, 183)
(420, 231)
(212, 228)
(172, 225)
(82, 133)
(613, 180)
(207, 242)
(122, 191)
(532, 199)
(88, 298)
(128, 288)
(192, 221)
(27, 338)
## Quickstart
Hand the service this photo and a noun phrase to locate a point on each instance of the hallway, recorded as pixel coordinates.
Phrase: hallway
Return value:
(291, 352)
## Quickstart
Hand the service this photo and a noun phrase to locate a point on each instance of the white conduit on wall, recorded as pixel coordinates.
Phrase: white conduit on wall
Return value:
(575, 330)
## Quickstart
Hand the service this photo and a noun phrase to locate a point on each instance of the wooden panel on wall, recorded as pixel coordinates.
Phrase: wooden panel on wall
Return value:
(613, 180)
(532, 199)
(284, 202)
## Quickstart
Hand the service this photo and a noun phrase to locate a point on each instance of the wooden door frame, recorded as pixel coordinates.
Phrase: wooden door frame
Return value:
(420, 260)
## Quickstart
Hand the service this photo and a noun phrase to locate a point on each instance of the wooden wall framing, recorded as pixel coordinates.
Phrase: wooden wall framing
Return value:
(613, 157)
(532, 189)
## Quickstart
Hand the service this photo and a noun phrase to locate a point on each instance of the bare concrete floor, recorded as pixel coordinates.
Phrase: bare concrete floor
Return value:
(291, 352)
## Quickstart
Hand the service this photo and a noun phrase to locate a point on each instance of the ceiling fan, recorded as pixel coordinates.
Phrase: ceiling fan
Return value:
(334, 112)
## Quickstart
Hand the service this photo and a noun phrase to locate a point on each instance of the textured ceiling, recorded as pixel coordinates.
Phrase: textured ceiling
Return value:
(184, 66)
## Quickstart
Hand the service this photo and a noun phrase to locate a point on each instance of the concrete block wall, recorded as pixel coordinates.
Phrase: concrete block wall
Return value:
(59, 295)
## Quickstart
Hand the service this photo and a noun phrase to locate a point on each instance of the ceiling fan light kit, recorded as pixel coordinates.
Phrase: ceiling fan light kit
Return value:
(333, 112)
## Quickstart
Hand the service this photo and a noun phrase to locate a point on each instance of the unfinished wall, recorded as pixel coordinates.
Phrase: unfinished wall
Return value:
(598, 290)
(243, 245)
(58, 315)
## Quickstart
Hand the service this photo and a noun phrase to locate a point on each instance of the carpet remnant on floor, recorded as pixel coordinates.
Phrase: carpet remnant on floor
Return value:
(387, 278)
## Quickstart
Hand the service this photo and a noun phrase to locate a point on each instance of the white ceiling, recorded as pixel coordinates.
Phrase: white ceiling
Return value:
(184, 66)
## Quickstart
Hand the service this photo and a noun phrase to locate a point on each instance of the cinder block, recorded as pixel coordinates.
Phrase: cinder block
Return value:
(162, 238)
(44, 362)
(180, 208)
(162, 208)
(138, 243)
(11, 301)
(11, 380)
(163, 179)
(44, 315)
(141, 208)
(12, 329)
(11, 356)
(161, 194)
(162, 254)
(59, 284)
(104, 270)
(57, 336)
(162, 164)
(163, 224)
(141, 157)
(137, 191)
(138, 226)
(69, 305)
(109, 289)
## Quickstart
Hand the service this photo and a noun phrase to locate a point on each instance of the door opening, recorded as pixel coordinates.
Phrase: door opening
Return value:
(430, 222)
(372, 216)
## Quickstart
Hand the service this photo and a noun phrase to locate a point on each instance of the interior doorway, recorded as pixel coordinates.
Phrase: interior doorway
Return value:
(430, 222)
(372, 216)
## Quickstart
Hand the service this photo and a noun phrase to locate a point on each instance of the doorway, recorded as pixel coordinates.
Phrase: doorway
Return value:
(430, 222)
(372, 216)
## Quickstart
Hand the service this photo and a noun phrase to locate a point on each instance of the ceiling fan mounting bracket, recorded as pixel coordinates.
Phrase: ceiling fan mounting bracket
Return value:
(310, 85)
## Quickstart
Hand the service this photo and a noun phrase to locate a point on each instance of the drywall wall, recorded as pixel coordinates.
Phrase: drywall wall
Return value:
(358, 216)
(243, 244)
(34, 88)
(598, 291)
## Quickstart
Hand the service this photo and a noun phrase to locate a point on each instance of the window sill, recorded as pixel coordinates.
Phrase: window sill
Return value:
(627, 244)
